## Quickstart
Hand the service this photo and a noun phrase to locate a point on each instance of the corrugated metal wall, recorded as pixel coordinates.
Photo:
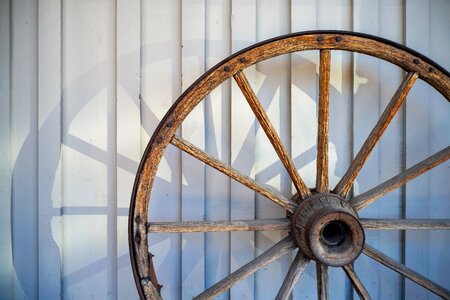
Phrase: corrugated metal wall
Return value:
(84, 83)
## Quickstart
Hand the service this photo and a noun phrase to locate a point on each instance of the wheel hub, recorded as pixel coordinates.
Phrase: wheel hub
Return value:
(327, 229)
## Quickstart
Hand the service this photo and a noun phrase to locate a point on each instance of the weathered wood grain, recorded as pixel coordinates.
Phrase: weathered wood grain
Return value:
(364, 199)
(322, 281)
(150, 291)
(279, 249)
(356, 282)
(272, 134)
(346, 182)
(323, 122)
(295, 271)
(406, 224)
(276, 197)
(283, 224)
(311, 218)
(405, 271)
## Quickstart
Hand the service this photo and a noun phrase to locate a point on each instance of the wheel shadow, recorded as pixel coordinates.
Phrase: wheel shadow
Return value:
(37, 222)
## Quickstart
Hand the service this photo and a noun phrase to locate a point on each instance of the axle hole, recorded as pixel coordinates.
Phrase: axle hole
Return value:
(333, 233)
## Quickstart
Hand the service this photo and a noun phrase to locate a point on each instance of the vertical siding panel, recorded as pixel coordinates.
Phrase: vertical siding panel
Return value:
(338, 15)
(128, 132)
(303, 119)
(160, 86)
(390, 156)
(375, 83)
(49, 149)
(193, 184)
(272, 87)
(6, 264)
(24, 148)
(217, 124)
(417, 148)
(439, 139)
(426, 196)
(111, 149)
(89, 170)
(243, 17)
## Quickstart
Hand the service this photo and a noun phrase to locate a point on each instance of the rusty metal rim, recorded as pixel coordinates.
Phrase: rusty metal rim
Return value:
(169, 123)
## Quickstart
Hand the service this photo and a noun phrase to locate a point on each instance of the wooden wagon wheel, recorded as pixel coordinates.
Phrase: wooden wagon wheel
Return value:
(324, 224)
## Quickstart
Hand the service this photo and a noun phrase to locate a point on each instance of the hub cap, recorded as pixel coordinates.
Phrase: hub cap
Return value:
(327, 229)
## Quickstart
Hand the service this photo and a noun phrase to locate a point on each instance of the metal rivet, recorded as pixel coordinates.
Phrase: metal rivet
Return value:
(137, 238)
(159, 140)
(242, 60)
(416, 61)
(338, 38)
(226, 69)
(137, 220)
(431, 69)
(320, 38)
(169, 124)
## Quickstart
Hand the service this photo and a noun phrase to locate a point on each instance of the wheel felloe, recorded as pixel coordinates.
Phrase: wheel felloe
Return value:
(327, 229)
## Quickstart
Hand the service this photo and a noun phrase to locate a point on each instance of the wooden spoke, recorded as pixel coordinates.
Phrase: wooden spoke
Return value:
(279, 249)
(405, 224)
(356, 282)
(283, 224)
(295, 271)
(346, 182)
(323, 122)
(268, 192)
(363, 200)
(322, 281)
(271, 133)
(405, 271)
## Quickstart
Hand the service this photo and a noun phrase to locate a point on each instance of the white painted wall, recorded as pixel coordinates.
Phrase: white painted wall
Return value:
(83, 84)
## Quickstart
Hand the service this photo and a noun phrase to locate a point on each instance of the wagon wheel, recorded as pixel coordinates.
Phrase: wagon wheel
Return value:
(324, 224)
